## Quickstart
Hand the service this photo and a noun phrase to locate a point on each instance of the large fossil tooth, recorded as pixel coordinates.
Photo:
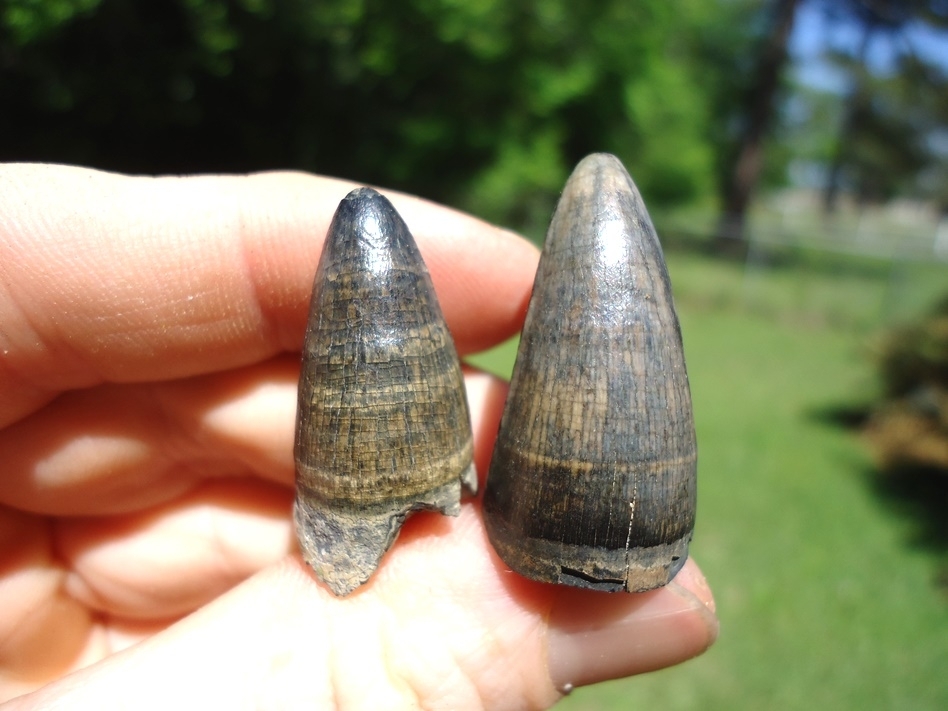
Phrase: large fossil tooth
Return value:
(383, 427)
(592, 481)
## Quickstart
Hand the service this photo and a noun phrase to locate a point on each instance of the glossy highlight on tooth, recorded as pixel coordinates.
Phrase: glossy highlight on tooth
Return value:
(592, 482)
(383, 427)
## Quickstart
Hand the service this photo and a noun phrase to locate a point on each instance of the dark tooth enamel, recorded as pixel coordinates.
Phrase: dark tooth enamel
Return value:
(592, 481)
(383, 427)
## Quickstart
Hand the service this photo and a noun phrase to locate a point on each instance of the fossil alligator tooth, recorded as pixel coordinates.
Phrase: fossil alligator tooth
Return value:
(383, 427)
(592, 481)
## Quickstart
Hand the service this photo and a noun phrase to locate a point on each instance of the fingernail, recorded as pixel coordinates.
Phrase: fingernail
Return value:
(691, 583)
(598, 636)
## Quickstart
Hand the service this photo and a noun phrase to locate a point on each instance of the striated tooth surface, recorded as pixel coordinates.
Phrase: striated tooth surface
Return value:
(593, 477)
(383, 427)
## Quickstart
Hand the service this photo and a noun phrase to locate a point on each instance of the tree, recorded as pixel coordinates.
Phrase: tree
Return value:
(886, 122)
(485, 104)
(744, 163)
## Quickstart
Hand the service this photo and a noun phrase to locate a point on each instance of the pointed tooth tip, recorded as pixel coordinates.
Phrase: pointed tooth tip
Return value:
(599, 162)
(599, 177)
(600, 205)
(598, 170)
(364, 192)
(365, 201)
(366, 220)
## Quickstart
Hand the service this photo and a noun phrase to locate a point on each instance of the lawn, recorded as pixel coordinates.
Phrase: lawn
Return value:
(826, 599)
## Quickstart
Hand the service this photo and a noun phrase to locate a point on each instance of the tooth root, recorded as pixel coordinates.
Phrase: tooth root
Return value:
(593, 477)
(383, 427)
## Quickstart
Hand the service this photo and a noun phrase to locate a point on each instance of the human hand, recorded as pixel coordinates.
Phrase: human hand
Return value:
(149, 338)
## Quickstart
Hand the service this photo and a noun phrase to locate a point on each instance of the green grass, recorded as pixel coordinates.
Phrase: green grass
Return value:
(825, 601)
(810, 290)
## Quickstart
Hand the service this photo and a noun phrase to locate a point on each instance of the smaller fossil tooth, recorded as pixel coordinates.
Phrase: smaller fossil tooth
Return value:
(383, 427)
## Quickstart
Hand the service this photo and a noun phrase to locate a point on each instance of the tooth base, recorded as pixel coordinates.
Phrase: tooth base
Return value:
(344, 546)
(634, 569)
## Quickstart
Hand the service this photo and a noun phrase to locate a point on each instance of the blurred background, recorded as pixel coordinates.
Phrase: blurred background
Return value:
(794, 156)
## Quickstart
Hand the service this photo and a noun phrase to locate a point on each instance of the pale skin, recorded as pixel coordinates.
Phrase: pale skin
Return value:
(149, 339)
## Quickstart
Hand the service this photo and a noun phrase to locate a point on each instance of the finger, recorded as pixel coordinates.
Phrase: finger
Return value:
(43, 631)
(588, 644)
(177, 556)
(486, 395)
(173, 559)
(120, 448)
(106, 278)
(442, 624)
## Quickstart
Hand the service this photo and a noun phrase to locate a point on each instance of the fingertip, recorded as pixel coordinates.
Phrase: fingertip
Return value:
(690, 581)
(596, 636)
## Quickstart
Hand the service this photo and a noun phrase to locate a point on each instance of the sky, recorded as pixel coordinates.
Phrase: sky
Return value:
(813, 34)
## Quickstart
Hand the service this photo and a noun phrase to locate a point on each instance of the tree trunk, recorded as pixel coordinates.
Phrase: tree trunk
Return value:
(759, 112)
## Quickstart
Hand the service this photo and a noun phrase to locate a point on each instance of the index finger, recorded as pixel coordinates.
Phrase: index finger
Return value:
(109, 278)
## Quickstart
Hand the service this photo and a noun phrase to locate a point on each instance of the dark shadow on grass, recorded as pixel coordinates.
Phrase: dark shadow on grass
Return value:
(848, 416)
(919, 494)
(914, 493)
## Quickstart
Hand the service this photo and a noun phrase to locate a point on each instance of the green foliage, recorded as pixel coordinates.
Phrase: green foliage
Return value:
(725, 43)
(890, 124)
(479, 103)
(916, 356)
(669, 148)
(909, 426)
(889, 140)
(482, 104)
(30, 20)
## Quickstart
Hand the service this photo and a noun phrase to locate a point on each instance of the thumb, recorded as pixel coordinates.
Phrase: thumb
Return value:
(443, 624)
